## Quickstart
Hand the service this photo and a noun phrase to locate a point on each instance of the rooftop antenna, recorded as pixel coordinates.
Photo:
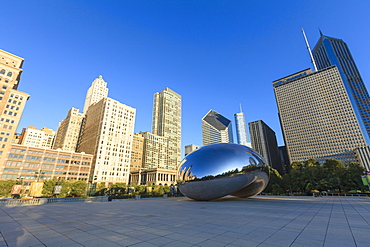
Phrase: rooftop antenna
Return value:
(240, 105)
(309, 50)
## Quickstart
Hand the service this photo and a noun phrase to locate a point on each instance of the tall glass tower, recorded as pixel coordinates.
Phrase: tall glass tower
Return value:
(241, 128)
(331, 51)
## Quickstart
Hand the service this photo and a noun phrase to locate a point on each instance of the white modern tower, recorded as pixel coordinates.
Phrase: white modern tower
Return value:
(96, 92)
(241, 128)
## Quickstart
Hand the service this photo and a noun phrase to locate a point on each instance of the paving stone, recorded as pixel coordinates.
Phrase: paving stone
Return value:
(258, 221)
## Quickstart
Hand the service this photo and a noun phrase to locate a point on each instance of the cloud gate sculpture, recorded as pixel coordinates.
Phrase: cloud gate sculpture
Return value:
(217, 170)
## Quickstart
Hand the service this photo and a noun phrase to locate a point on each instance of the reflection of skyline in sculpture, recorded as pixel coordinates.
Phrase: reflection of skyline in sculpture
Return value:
(223, 169)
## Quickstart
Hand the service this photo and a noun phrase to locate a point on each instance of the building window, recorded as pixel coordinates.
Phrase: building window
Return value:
(2, 71)
(9, 74)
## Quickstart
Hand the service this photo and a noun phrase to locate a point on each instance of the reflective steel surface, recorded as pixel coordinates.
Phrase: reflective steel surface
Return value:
(222, 169)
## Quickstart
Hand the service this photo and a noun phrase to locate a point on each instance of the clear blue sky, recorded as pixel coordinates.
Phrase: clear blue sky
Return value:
(216, 54)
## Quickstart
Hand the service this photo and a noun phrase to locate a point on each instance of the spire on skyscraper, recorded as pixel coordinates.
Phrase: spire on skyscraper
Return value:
(309, 50)
(320, 33)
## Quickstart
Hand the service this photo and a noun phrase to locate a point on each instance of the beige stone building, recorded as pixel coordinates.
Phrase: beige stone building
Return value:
(137, 152)
(155, 151)
(317, 117)
(154, 176)
(190, 148)
(69, 131)
(96, 92)
(152, 168)
(32, 137)
(167, 123)
(107, 133)
(12, 101)
(31, 164)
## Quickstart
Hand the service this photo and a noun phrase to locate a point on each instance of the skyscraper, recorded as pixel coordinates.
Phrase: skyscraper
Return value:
(190, 148)
(12, 101)
(331, 51)
(137, 151)
(264, 142)
(32, 137)
(241, 128)
(167, 123)
(107, 133)
(96, 92)
(317, 116)
(155, 149)
(69, 131)
(216, 128)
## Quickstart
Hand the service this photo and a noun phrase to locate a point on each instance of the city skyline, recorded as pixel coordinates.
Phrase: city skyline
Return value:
(213, 62)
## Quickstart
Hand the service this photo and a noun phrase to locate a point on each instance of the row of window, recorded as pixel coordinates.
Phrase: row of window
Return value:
(3, 72)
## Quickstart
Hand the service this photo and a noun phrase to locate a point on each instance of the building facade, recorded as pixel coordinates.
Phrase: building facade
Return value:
(167, 123)
(264, 142)
(216, 129)
(96, 92)
(69, 130)
(32, 137)
(241, 129)
(190, 148)
(284, 158)
(363, 156)
(107, 133)
(317, 117)
(137, 152)
(37, 164)
(12, 101)
(331, 51)
(155, 152)
(154, 176)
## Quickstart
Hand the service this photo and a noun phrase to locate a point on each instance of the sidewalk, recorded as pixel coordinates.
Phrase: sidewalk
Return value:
(258, 221)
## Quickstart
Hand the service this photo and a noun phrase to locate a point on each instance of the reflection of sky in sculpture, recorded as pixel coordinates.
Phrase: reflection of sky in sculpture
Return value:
(219, 158)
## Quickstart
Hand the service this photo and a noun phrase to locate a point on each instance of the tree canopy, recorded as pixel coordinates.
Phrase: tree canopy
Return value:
(307, 176)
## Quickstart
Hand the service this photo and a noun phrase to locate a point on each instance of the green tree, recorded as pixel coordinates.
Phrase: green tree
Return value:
(77, 188)
(6, 187)
(118, 189)
(158, 190)
(49, 185)
(140, 189)
(275, 181)
(334, 170)
(351, 178)
(332, 175)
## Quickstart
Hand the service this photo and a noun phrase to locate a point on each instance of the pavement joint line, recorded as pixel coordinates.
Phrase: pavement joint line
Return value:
(365, 208)
(288, 222)
(350, 228)
(307, 223)
(232, 220)
(327, 226)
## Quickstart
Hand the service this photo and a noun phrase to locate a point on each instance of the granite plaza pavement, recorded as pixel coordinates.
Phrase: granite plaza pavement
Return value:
(257, 221)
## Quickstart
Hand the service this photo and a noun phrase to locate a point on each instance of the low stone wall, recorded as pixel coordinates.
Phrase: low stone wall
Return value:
(40, 201)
